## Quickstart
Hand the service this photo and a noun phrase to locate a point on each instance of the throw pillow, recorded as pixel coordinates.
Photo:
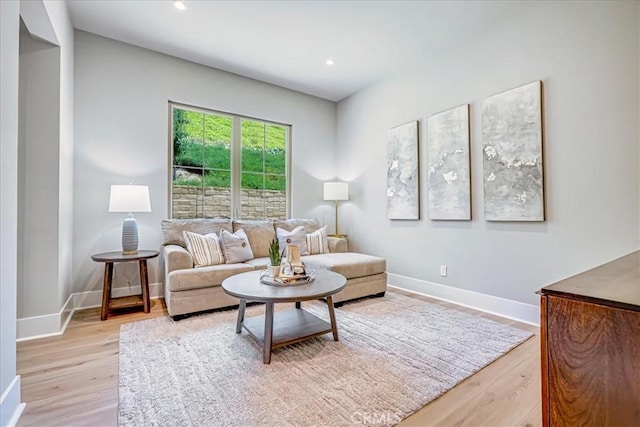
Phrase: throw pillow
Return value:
(205, 249)
(317, 242)
(297, 236)
(236, 246)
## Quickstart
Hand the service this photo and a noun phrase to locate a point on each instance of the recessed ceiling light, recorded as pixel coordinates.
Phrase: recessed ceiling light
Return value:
(179, 4)
(329, 62)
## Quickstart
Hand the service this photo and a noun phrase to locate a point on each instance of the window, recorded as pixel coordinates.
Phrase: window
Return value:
(225, 165)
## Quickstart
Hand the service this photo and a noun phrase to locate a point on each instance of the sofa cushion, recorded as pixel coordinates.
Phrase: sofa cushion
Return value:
(337, 244)
(349, 264)
(297, 236)
(259, 263)
(204, 248)
(317, 242)
(260, 234)
(203, 277)
(235, 246)
(172, 228)
(310, 225)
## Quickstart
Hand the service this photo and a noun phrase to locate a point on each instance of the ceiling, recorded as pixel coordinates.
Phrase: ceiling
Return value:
(286, 43)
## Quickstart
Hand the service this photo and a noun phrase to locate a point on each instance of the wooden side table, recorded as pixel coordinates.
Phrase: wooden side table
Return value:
(109, 303)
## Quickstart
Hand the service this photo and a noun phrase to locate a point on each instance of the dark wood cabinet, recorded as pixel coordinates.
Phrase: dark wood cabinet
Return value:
(590, 347)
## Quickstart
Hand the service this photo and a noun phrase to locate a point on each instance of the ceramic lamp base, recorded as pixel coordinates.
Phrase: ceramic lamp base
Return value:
(129, 235)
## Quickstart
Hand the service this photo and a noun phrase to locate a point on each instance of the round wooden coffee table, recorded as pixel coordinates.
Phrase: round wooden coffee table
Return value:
(288, 326)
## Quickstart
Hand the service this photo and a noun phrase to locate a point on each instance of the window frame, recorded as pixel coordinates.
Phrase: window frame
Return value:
(235, 156)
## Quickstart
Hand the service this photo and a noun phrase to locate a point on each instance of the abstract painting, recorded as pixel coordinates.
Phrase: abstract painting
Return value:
(403, 196)
(449, 185)
(512, 155)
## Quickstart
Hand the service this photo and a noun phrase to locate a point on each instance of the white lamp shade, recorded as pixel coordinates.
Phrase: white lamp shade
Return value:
(336, 191)
(129, 198)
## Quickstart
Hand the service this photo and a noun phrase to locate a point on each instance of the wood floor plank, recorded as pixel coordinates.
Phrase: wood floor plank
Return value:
(73, 379)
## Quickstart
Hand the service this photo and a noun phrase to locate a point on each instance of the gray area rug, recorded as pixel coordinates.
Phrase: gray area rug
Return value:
(395, 354)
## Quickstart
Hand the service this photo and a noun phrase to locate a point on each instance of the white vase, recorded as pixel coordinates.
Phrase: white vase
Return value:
(274, 270)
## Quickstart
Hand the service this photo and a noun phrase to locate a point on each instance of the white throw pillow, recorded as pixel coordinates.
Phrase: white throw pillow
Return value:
(317, 242)
(297, 236)
(205, 249)
(236, 246)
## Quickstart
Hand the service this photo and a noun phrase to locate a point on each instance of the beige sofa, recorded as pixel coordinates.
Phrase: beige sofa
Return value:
(188, 289)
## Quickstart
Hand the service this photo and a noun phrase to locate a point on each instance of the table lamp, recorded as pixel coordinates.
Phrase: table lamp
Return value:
(129, 198)
(336, 191)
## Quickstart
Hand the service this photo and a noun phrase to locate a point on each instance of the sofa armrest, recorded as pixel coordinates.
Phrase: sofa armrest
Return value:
(338, 244)
(176, 258)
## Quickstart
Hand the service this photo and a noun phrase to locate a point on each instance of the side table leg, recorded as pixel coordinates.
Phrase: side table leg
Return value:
(268, 333)
(106, 290)
(144, 284)
(241, 308)
(332, 316)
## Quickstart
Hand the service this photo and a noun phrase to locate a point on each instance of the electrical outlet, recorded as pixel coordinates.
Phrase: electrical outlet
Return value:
(443, 270)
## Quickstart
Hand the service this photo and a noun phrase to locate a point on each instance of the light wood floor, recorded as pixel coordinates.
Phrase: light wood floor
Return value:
(73, 379)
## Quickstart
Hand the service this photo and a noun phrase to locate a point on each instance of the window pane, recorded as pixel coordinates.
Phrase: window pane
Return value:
(275, 204)
(187, 176)
(275, 149)
(186, 193)
(217, 145)
(275, 182)
(252, 146)
(252, 204)
(217, 194)
(253, 181)
(188, 136)
(216, 178)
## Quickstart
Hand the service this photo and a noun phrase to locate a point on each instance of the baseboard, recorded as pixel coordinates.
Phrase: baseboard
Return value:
(50, 325)
(514, 310)
(10, 406)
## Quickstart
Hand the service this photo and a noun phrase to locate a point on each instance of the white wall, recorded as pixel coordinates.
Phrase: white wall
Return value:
(38, 167)
(59, 15)
(45, 164)
(122, 135)
(587, 56)
(9, 40)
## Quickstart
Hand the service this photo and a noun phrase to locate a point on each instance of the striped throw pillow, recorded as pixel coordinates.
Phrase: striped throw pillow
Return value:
(317, 241)
(205, 249)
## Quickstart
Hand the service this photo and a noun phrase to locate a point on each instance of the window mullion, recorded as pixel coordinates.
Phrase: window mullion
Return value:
(236, 168)
(204, 172)
(287, 170)
(264, 170)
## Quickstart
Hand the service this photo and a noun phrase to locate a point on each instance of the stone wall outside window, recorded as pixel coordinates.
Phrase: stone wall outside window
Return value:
(190, 202)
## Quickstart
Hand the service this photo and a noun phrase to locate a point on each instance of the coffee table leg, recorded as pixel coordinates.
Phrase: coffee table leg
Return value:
(332, 316)
(298, 304)
(268, 333)
(241, 307)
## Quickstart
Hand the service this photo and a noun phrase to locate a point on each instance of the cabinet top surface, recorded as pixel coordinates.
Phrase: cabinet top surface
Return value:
(613, 283)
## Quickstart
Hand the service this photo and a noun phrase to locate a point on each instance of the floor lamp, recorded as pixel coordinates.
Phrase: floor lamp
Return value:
(336, 191)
